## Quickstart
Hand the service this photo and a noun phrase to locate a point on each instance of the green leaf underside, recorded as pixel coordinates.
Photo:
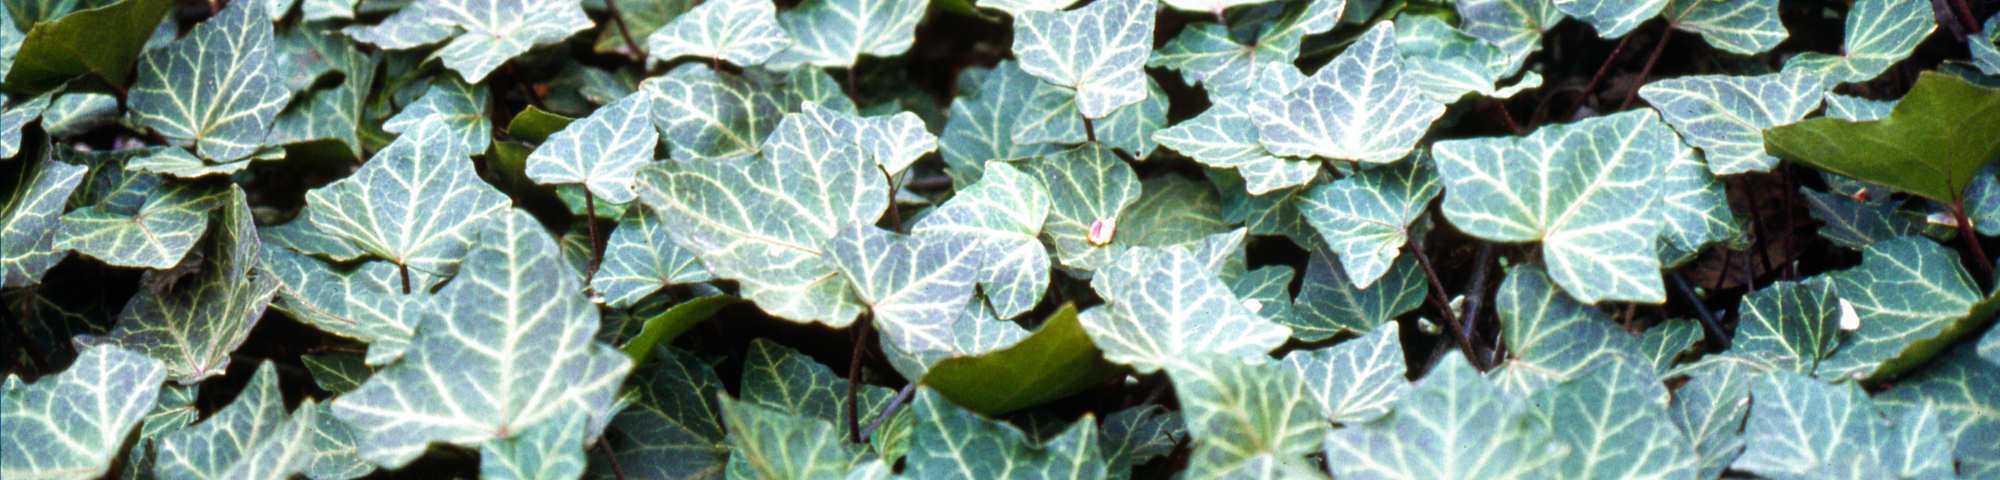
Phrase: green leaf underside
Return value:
(98, 44)
(70, 425)
(1163, 307)
(1925, 145)
(1057, 360)
(1099, 50)
(416, 203)
(1359, 107)
(1493, 434)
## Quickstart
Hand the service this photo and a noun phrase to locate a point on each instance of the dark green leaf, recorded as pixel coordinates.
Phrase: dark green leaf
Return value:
(100, 43)
(1054, 362)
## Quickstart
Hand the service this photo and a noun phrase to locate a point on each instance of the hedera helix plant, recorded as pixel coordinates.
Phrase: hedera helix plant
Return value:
(1000, 239)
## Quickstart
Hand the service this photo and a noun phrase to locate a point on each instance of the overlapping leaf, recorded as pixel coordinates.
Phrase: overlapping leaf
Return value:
(1328, 303)
(602, 151)
(952, 443)
(1089, 189)
(1742, 27)
(1001, 214)
(638, 19)
(70, 425)
(1879, 33)
(1057, 360)
(771, 443)
(982, 123)
(1491, 434)
(18, 112)
(216, 90)
(363, 301)
(641, 258)
(1446, 63)
(1985, 46)
(1238, 412)
(1666, 341)
(1213, 54)
(894, 141)
(1926, 146)
(1163, 306)
(1611, 18)
(410, 27)
(673, 426)
(332, 113)
(416, 203)
(914, 285)
(98, 45)
(836, 33)
(1226, 135)
(1794, 324)
(512, 327)
(1551, 338)
(1357, 380)
(250, 438)
(1957, 388)
(1360, 107)
(705, 114)
(1694, 209)
(495, 31)
(1614, 419)
(550, 449)
(1711, 405)
(1585, 190)
(742, 32)
(1366, 216)
(1515, 26)
(30, 219)
(1049, 115)
(1725, 115)
(1913, 299)
(1800, 428)
(455, 107)
(1098, 50)
(147, 221)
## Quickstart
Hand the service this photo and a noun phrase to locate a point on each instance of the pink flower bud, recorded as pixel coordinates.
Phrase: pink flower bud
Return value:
(1101, 231)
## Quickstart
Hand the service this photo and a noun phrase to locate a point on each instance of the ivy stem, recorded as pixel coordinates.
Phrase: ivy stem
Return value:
(895, 213)
(854, 378)
(1596, 77)
(1964, 15)
(405, 269)
(1444, 308)
(1716, 337)
(1089, 129)
(610, 458)
(1475, 293)
(908, 391)
(1971, 237)
(618, 18)
(1651, 59)
(590, 223)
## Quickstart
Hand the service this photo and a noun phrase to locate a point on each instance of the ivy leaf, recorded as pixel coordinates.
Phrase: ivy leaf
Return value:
(1583, 189)
(495, 31)
(1800, 428)
(1050, 116)
(915, 285)
(1225, 136)
(1900, 327)
(1725, 115)
(1879, 33)
(1955, 387)
(1210, 6)
(1985, 46)
(1515, 26)
(1742, 27)
(982, 123)
(770, 443)
(147, 221)
(742, 32)
(763, 221)
(1611, 18)
(15, 117)
(602, 151)
(1856, 224)
(1446, 63)
(1366, 216)
(1132, 436)
(98, 44)
(1794, 324)
(893, 141)
(1694, 207)
(667, 325)
(31, 218)
(1925, 146)
(1360, 107)
(336, 373)
(1274, 213)
(456, 108)
(1982, 202)
(215, 90)
(250, 438)
(776, 376)
(673, 428)
(71, 424)
(1857, 109)
(1210, 53)
(1614, 419)
(416, 203)
(512, 292)
(973, 330)
(1494, 434)
(1357, 380)
(364, 302)
(550, 449)
(952, 443)
(1015, 7)
(705, 114)
(1666, 341)
(836, 33)
(1550, 337)
(1001, 214)
(1238, 412)
(1328, 302)
(192, 325)
(1163, 306)
(1057, 360)
(333, 113)
(1088, 187)
(638, 18)
(641, 258)
(1098, 50)
(1710, 407)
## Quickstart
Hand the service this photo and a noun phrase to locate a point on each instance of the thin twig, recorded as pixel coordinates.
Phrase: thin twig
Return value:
(590, 222)
(1089, 129)
(902, 396)
(1964, 15)
(854, 379)
(1596, 77)
(618, 18)
(1716, 337)
(405, 269)
(1444, 308)
(1506, 117)
(611, 458)
(1651, 59)
(1475, 292)
(1971, 239)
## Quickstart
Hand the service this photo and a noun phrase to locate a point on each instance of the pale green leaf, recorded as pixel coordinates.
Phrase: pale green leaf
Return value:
(1879, 33)
(1694, 207)
(1446, 63)
(1985, 46)
(77, 113)
(1366, 216)
(705, 114)
(1490, 434)
(506, 346)
(982, 123)
(148, 221)
(70, 425)
(362, 301)
(1742, 27)
(1172, 211)
(641, 258)
(1711, 405)
(412, 26)
(1611, 18)
(215, 90)
(251, 438)
(1225, 136)
(1982, 201)
(1857, 109)
(1668, 340)
(1050, 116)
(894, 141)
(770, 443)
(28, 221)
(548, 450)
(1725, 115)
(836, 33)
(416, 203)
(1515, 26)
(1360, 107)
(1913, 299)
(742, 32)
(1958, 387)
(1087, 186)
(673, 427)
(1614, 419)
(1585, 190)
(1098, 50)
(191, 323)
(1210, 6)
(914, 285)
(1240, 411)
(1209, 54)
(602, 151)
(1002, 213)
(498, 30)
(451, 106)
(952, 443)
(15, 117)
(1015, 7)
(1793, 324)
(1163, 306)
(1328, 302)
(181, 163)
(1357, 380)
(317, 10)
(1801, 428)
(335, 454)
(1551, 338)
(336, 373)
(778, 377)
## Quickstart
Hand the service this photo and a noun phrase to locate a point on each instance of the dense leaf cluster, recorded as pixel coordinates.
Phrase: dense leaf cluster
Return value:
(1126, 238)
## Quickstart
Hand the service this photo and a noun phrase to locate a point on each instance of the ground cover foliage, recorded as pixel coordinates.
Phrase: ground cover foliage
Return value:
(859, 239)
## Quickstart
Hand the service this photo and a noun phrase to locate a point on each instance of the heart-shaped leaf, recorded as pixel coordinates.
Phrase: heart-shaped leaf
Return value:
(216, 90)
(70, 425)
(1879, 34)
(1585, 190)
(1551, 338)
(894, 141)
(416, 203)
(1002, 213)
(1360, 107)
(250, 438)
(952, 443)
(1366, 216)
(1328, 302)
(1493, 434)
(742, 32)
(364, 302)
(602, 151)
(1901, 328)
(915, 285)
(1357, 380)
(1725, 115)
(98, 44)
(1926, 146)
(1089, 190)
(1515, 26)
(1163, 306)
(836, 33)
(1611, 18)
(1098, 50)
(495, 31)
(1238, 412)
(513, 293)
(706, 114)
(1742, 27)
(673, 427)
(1801, 428)
(1614, 419)
(1794, 324)
(641, 258)
(28, 221)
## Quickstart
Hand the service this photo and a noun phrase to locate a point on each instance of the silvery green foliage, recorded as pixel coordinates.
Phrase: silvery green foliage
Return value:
(1985, 46)
(549, 450)
(28, 221)
(1089, 189)
(1357, 380)
(952, 443)
(1515, 26)
(703, 113)
(836, 33)
(742, 32)
(1015, 7)
(1857, 108)
(771, 443)
(1163, 306)
(1879, 34)
(1800, 428)
(513, 293)
(1329, 303)
(1242, 414)
(673, 426)
(457, 108)
(892, 141)
(1742, 27)
(602, 151)
(1666, 341)
(1694, 207)
(1099, 51)
(216, 90)
(1614, 419)
(250, 438)
(1982, 201)
(410, 27)
(1550, 337)
(1495, 434)
(1228, 58)
(1001, 215)
(1711, 405)
(1361, 107)
(490, 32)
(915, 285)
(1900, 328)
(1226, 135)
(147, 221)
(1366, 217)
(1585, 190)
(1725, 115)
(1611, 18)
(416, 204)
(364, 302)
(1955, 388)
(1792, 324)
(1050, 116)
(70, 425)
(641, 258)
(1446, 63)
(17, 113)
(982, 123)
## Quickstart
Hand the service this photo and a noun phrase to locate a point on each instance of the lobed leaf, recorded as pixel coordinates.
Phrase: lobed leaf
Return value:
(1360, 107)
(1366, 216)
(1357, 380)
(71, 424)
(1490, 434)
(1742, 27)
(1879, 34)
(1725, 115)
(215, 91)
(29, 221)
(250, 438)
(742, 32)
(497, 30)
(1913, 300)
(1099, 50)
(836, 33)
(1162, 307)
(1925, 146)
(1328, 303)
(641, 258)
(602, 151)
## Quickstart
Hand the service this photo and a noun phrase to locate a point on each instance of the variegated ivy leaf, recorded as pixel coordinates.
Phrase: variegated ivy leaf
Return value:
(771, 443)
(1792, 324)
(1328, 302)
(181, 163)
(776, 376)
(15, 116)
(1913, 299)
(915, 285)
(1857, 109)
(1801, 428)
(215, 90)
(1515, 26)
(1273, 213)
(1050, 116)
(148, 221)
(705, 114)
(642, 258)
(551, 449)
(1856, 224)
(1711, 405)
(1098, 50)
(1666, 341)
(1226, 135)
(948, 442)
(602, 151)
(638, 19)
(1585, 190)
(1614, 419)
(763, 221)
(498, 30)
(1163, 306)
(1135, 435)
(1357, 380)
(1089, 190)
(1985, 46)
(364, 301)
(1725, 115)
(742, 32)
(332, 113)
(317, 10)
(894, 141)
(175, 411)
(192, 323)
(673, 427)
(1982, 201)
(1366, 216)
(1551, 338)
(836, 33)
(409, 27)
(70, 425)
(982, 123)
(1215, 56)
(28, 221)
(1239, 412)
(416, 203)
(1611, 18)
(453, 107)
(1015, 7)
(1694, 209)
(1360, 107)
(250, 438)
(1446, 63)
(1493, 434)
(1742, 27)
(1956, 387)
(1879, 34)
(506, 346)
(1002, 213)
